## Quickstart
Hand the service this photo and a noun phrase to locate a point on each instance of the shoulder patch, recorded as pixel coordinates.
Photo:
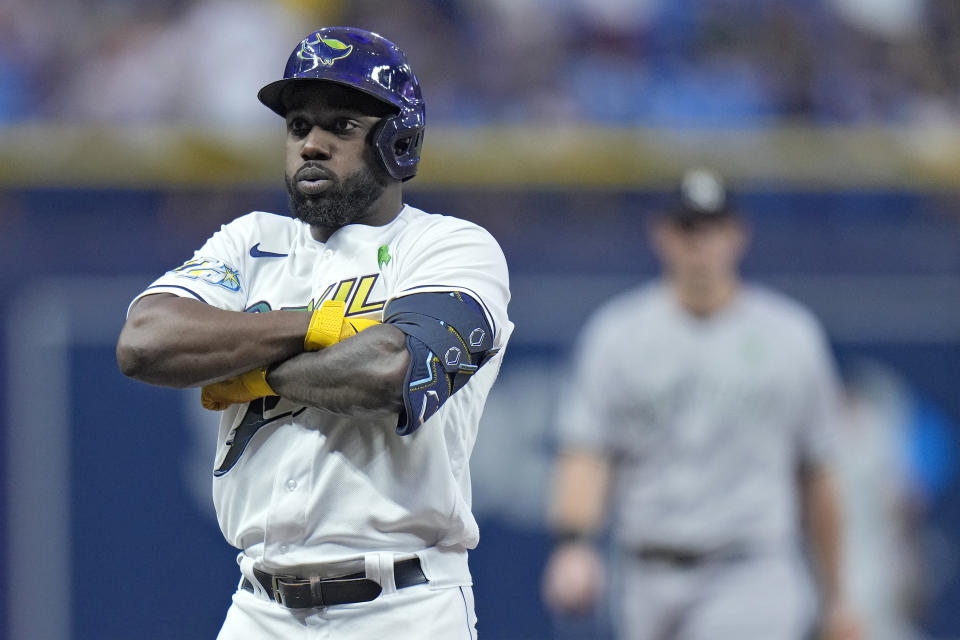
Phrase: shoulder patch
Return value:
(211, 271)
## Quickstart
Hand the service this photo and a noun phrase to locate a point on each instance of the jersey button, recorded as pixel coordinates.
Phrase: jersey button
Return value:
(328, 253)
(291, 485)
(284, 548)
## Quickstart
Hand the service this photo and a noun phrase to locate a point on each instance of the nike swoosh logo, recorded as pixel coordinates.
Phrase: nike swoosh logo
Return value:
(255, 252)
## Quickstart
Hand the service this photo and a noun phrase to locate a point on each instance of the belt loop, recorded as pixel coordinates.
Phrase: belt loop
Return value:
(379, 568)
(316, 590)
(246, 569)
(275, 585)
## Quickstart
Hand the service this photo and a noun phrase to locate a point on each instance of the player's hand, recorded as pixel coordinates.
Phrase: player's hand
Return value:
(573, 578)
(241, 389)
(840, 623)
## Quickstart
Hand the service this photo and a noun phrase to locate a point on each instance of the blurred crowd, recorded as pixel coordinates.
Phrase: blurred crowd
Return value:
(659, 63)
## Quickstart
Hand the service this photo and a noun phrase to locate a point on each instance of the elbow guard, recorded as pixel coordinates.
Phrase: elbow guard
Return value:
(448, 338)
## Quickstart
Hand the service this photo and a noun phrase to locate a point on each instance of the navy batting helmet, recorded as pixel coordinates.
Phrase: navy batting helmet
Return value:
(369, 63)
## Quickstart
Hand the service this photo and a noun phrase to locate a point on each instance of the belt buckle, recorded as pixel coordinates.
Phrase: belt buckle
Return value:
(288, 591)
(275, 583)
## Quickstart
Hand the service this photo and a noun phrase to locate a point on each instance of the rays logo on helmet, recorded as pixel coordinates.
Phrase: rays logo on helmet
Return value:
(325, 50)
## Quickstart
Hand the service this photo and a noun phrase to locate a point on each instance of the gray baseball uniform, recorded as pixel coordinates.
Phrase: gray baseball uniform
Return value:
(705, 421)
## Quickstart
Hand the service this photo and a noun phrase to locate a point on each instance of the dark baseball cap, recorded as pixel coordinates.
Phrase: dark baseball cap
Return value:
(701, 197)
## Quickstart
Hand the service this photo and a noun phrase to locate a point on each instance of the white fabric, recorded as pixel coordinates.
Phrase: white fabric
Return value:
(705, 419)
(414, 613)
(313, 489)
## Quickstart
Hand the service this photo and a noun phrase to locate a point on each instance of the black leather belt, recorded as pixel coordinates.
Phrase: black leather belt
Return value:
(303, 593)
(675, 557)
(684, 558)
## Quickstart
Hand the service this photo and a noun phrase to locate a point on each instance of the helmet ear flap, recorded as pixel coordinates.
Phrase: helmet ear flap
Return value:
(398, 142)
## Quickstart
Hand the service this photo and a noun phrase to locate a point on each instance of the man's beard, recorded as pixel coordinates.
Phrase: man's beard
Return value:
(343, 202)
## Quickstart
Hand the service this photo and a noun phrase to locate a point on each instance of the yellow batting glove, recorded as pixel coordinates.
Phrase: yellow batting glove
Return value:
(329, 326)
(241, 389)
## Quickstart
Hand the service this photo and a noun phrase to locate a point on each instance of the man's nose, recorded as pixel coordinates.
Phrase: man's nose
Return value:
(318, 144)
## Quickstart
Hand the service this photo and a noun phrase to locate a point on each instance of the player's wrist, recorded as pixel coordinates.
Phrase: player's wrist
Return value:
(568, 536)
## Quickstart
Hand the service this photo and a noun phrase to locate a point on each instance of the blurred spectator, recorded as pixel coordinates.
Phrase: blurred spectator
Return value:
(23, 53)
(168, 62)
(481, 60)
(892, 19)
(128, 71)
(683, 64)
(677, 63)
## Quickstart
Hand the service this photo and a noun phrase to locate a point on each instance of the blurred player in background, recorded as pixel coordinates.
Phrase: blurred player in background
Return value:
(895, 458)
(700, 416)
(351, 347)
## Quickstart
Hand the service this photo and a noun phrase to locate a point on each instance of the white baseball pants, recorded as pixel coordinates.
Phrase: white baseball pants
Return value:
(413, 613)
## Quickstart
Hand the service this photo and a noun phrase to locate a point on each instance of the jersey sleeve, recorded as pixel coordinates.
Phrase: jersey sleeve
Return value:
(820, 414)
(456, 256)
(215, 274)
(586, 411)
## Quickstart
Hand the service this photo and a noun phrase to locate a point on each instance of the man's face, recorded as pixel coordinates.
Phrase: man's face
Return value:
(701, 254)
(332, 174)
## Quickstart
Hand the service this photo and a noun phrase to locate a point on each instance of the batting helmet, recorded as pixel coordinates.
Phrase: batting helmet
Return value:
(369, 63)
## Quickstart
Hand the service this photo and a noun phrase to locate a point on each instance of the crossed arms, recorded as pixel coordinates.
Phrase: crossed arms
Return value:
(178, 342)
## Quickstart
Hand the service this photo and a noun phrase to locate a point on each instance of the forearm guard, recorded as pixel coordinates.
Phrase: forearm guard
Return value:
(448, 338)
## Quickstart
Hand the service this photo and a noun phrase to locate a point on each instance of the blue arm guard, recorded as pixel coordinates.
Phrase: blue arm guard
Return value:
(448, 338)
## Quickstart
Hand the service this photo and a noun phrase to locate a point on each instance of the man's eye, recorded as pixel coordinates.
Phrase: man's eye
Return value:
(299, 127)
(341, 125)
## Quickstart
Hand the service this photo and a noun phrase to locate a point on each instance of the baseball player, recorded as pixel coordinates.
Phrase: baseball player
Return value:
(350, 348)
(699, 416)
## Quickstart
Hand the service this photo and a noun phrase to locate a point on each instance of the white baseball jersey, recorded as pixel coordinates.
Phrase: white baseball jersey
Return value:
(313, 488)
(704, 419)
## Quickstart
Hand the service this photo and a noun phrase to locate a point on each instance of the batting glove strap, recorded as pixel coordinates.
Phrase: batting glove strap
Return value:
(328, 326)
(256, 383)
(240, 389)
(325, 325)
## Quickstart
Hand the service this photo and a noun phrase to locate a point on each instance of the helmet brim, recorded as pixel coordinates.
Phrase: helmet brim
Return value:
(272, 95)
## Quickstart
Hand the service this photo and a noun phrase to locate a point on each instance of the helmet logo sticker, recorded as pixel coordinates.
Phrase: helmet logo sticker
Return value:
(324, 50)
